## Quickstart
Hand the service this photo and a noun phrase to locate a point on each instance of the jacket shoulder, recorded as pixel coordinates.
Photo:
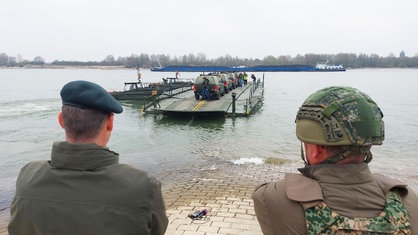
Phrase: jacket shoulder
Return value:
(30, 169)
(387, 184)
(302, 189)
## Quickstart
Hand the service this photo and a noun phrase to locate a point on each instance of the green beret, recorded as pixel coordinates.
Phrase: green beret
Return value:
(88, 95)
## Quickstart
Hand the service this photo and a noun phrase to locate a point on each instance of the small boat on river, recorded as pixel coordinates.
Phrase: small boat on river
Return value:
(138, 91)
(147, 91)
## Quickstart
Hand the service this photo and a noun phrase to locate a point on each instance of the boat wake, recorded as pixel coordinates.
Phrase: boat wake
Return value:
(28, 107)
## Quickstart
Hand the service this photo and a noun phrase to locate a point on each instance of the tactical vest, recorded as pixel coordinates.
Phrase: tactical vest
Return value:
(320, 219)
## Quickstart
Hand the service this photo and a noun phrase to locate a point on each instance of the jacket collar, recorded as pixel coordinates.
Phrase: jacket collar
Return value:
(81, 156)
(338, 173)
(306, 187)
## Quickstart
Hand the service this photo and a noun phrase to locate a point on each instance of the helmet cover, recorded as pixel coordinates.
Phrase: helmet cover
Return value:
(340, 116)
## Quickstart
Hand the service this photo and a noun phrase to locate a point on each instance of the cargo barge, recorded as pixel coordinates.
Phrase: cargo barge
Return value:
(320, 67)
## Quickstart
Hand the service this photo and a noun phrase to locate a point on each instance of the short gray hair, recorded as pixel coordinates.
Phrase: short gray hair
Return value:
(81, 123)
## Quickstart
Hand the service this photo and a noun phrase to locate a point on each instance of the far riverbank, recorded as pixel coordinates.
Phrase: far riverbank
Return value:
(68, 67)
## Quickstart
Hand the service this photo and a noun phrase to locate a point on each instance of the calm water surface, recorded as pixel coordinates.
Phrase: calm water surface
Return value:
(29, 100)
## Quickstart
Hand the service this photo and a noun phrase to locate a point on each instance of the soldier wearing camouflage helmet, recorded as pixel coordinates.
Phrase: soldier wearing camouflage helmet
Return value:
(336, 193)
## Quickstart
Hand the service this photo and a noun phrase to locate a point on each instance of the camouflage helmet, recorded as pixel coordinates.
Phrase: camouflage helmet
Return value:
(340, 116)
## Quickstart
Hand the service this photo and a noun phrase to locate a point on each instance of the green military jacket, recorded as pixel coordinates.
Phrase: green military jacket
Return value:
(349, 189)
(84, 190)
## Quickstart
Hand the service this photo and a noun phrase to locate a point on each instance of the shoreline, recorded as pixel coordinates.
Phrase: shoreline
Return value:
(122, 67)
(224, 189)
(102, 67)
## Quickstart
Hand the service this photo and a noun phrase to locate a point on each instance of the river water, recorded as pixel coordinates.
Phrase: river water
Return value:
(29, 101)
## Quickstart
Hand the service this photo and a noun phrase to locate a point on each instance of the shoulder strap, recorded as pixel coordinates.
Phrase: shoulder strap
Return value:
(387, 184)
(302, 189)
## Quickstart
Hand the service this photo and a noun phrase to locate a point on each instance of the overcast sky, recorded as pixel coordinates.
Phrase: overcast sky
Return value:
(92, 29)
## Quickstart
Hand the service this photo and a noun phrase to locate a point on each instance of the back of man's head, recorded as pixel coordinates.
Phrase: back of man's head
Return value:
(86, 108)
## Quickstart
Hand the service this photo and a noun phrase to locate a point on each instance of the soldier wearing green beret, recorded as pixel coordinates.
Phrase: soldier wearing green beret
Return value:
(336, 193)
(84, 189)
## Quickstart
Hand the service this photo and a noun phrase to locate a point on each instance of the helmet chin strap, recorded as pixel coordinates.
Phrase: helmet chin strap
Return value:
(302, 154)
(369, 157)
(338, 157)
(349, 149)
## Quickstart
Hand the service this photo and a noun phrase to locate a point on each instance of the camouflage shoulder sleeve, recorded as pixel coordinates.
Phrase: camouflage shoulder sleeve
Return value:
(393, 219)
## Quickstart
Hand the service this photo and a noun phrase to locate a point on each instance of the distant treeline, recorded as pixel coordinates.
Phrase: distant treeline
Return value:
(349, 60)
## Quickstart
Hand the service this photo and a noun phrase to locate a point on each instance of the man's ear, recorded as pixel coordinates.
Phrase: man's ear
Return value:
(109, 123)
(315, 153)
(60, 121)
(317, 150)
(323, 153)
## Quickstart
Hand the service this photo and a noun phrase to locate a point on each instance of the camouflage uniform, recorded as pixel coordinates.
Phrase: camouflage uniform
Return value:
(321, 219)
(280, 205)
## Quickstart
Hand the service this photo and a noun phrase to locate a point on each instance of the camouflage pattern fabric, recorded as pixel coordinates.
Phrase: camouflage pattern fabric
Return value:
(320, 219)
(358, 114)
